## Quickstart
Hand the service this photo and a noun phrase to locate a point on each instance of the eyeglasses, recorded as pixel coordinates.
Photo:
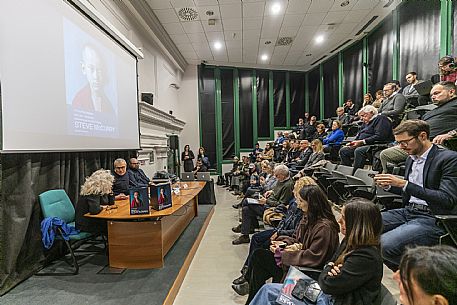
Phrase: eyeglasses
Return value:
(119, 167)
(405, 143)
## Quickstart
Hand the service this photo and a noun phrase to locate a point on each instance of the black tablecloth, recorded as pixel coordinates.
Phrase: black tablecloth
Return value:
(206, 195)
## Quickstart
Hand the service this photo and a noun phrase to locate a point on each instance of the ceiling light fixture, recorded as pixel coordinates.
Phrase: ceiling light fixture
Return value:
(275, 8)
(319, 39)
(217, 45)
(264, 57)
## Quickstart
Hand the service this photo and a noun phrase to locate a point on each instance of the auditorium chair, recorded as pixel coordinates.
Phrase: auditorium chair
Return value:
(449, 224)
(55, 203)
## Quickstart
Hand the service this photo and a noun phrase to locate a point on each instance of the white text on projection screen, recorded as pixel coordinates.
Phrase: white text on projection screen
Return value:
(66, 85)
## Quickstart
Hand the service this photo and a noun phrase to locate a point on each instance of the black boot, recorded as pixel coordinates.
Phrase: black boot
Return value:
(242, 278)
(242, 289)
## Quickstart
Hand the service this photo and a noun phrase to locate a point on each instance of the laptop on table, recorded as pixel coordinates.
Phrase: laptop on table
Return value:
(203, 176)
(187, 176)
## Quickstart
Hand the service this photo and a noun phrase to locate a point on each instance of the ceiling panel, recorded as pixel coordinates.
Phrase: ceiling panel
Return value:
(298, 6)
(293, 20)
(159, 4)
(232, 24)
(174, 28)
(231, 11)
(254, 9)
(243, 26)
(202, 10)
(166, 16)
(193, 27)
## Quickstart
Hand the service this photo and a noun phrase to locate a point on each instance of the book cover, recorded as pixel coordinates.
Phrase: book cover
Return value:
(139, 203)
(285, 296)
(160, 196)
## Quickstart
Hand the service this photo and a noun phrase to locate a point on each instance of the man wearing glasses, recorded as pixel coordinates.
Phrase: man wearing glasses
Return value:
(394, 104)
(428, 189)
(121, 179)
(137, 177)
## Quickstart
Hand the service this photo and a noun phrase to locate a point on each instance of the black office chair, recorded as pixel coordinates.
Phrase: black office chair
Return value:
(449, 224)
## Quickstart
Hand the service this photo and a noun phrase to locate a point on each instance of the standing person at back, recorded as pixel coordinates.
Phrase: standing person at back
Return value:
(428, 189)
(187, 156)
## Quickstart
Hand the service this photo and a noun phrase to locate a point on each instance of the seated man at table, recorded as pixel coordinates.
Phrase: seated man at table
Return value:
(281, 194)
(428, 189)
(121, 179)
(137, 178)
(200, 167)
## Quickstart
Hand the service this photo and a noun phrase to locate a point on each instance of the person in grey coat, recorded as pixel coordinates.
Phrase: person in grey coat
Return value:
(394, 104)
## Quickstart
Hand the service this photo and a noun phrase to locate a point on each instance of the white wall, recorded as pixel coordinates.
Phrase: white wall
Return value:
(155, 74)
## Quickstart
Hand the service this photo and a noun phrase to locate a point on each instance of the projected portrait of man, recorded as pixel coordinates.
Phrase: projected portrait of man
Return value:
(92, 97)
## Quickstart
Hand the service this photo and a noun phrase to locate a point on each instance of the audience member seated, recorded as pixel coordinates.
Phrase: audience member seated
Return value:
(280, 139)
(286, 227)
(442, 121)
(350, 108)
(267, 153)
(320, 133)
(95, 193)
(187, 157)
(354, 274)
(428, 275)
(410, 91)
(234, 171)
(137, 178)
(310, 129)
(238, 181)
(394, 104)
(377, 128)
(203, 158)
(282, 154)
(448, 69)
(367, 100)
(200, 167)
(294, 152)
(255, 152)
(312, 245)
(332, 142)
(280, 194)
(297, 130)
(342, 117)
(316, 156)
(379, 99)
(254, 179)
(428, 189)
(121, 179)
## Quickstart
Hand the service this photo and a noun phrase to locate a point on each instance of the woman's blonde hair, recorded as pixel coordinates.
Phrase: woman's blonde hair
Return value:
(99, 183)
(300, 183)
(318, 145)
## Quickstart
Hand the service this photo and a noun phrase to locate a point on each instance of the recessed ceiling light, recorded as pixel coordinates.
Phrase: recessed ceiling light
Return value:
(275, 8)
(217, 45)
(319, 38)
(344, 3)
(264, 57)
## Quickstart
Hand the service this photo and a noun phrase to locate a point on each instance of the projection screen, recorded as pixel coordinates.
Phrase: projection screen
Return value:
(65, 84)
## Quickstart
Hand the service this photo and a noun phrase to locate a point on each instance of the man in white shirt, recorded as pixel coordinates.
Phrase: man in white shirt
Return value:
(428, 189)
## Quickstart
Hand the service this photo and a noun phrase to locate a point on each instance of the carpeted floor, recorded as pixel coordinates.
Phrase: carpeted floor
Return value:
(132, 287)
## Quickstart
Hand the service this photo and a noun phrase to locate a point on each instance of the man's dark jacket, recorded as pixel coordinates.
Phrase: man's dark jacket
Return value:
(440, 182)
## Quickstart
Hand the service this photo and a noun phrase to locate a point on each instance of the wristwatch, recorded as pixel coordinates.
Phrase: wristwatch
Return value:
(452, 133)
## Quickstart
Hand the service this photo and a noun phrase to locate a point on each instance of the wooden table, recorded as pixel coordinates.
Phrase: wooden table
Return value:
(142, 241)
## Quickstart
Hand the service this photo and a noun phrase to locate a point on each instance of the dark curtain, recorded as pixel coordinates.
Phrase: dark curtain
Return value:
(331, 101)
(297, 97)
(313, 93)
(353, 73)
(380, 54)
(23, 178)
(279, 99)
(419, 38)
(207, 90)
(263, 104)
(246, 127)
(228, 135)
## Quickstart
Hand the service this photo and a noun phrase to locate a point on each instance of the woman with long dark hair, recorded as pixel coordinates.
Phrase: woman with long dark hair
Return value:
(187, 156)
(353, 276)
(202, 157)
(313, 243)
